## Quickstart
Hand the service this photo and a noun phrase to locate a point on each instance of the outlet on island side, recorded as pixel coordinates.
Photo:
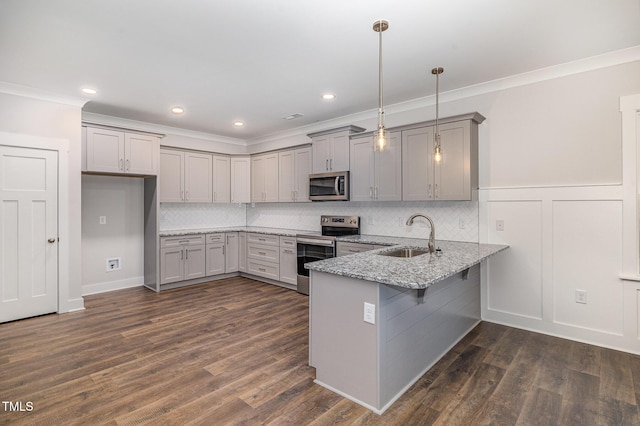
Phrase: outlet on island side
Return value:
(369, 313)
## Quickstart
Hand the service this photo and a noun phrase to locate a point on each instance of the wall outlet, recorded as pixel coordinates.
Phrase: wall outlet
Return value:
(103, 220)
(369, 313)
(499, 225)
(581, 296)
(113, 264)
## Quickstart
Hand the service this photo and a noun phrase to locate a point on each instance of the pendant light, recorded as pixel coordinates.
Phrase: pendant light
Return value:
(437, 151)
(380, 139)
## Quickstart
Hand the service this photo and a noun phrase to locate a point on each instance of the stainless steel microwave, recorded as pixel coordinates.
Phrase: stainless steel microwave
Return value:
(333, 186)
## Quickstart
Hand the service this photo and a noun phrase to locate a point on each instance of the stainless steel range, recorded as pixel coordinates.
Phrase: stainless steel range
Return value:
(312, 247)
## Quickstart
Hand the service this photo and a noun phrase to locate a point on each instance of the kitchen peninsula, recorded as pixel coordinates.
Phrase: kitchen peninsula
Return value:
(378, 322)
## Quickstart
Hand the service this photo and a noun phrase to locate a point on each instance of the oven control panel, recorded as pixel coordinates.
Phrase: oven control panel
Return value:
(344, 221)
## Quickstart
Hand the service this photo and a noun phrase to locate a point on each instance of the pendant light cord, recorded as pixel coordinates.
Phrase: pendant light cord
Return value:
(380, 111)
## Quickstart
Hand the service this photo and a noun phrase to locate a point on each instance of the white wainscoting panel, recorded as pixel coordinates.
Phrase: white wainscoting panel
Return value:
(587, 255)
(561, 239)
(516, 274)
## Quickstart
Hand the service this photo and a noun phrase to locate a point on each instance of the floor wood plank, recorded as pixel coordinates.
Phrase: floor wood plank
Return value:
(235, 352)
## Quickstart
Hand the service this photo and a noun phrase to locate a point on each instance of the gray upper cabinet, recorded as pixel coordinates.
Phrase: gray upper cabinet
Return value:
(376, 174)
(117, 152)
(185, 177)
(221, 179)
(240, 180)
(264, 178)
(294, 169)
(331, 149)
(456, 176)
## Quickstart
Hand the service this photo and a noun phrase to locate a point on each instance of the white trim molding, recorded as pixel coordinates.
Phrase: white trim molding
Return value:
(630, 110)
(61, 146)
(30, 92)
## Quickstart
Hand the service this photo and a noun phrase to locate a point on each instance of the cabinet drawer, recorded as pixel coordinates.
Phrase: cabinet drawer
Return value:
(189, 240)
(269, 240)
(263, 252)
(288, 242)
(264, 269)
(215, 238)
(343, 249)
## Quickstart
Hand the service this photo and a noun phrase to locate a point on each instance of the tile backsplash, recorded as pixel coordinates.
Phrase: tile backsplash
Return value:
(454, 220)
(201, 215)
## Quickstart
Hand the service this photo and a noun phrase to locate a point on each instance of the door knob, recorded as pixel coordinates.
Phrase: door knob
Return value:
(51, 240)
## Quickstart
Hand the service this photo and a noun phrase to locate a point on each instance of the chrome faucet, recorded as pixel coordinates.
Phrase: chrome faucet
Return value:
(432, 235)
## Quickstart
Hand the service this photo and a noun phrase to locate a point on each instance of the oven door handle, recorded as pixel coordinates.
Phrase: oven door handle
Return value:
(326, 243)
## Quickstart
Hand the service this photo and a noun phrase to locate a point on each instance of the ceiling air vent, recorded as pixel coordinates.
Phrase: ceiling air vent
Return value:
(293, 116)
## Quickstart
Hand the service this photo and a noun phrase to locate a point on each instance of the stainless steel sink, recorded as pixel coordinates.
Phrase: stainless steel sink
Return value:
(405, 252)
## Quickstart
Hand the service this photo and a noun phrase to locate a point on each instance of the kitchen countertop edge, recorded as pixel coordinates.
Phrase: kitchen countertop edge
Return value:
(414, 273)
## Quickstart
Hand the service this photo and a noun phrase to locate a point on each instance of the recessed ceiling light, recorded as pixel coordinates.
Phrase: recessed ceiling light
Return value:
(328, 96)
(89, 91)
(238, 123)
(177, 110)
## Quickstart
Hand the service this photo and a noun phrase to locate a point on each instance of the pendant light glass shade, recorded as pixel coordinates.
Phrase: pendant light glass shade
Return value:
(380, 139)
(437, 150)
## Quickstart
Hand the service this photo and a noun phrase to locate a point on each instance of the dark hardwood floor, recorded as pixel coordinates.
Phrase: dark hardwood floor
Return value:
(235, 352)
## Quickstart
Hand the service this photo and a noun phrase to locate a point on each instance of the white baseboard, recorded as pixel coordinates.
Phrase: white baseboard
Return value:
(112, 285)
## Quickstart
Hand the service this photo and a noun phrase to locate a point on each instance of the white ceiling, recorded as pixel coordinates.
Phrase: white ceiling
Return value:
(260, 60)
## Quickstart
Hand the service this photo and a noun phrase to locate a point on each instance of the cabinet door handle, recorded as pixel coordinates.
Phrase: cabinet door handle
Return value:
(262, 269)
(51, 240)
(262, 253)
(370, 192)
(181, 195)
(429, 193)
(181, 254)
(375, 194)
(121, 164)
(223, 249)
(127, 165)
(331, 164)
(187, 195)
(326, 164)
(186, 254)
(437, 195)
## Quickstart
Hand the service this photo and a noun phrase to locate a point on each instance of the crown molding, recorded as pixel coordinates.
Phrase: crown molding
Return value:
(609, 59)
(108, 120)
(42, 95)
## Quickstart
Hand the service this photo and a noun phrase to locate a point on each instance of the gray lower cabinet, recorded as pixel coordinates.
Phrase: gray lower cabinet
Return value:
(232, 259)
(215, 254)
(263, 255)
(288, 260)
(222, 253)
(242, 251)
(182, 258)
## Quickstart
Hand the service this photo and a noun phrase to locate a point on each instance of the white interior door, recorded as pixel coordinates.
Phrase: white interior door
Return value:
(28, 232)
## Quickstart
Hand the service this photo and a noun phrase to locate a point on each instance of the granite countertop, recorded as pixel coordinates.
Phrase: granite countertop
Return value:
(416, 273)
(254, 229)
